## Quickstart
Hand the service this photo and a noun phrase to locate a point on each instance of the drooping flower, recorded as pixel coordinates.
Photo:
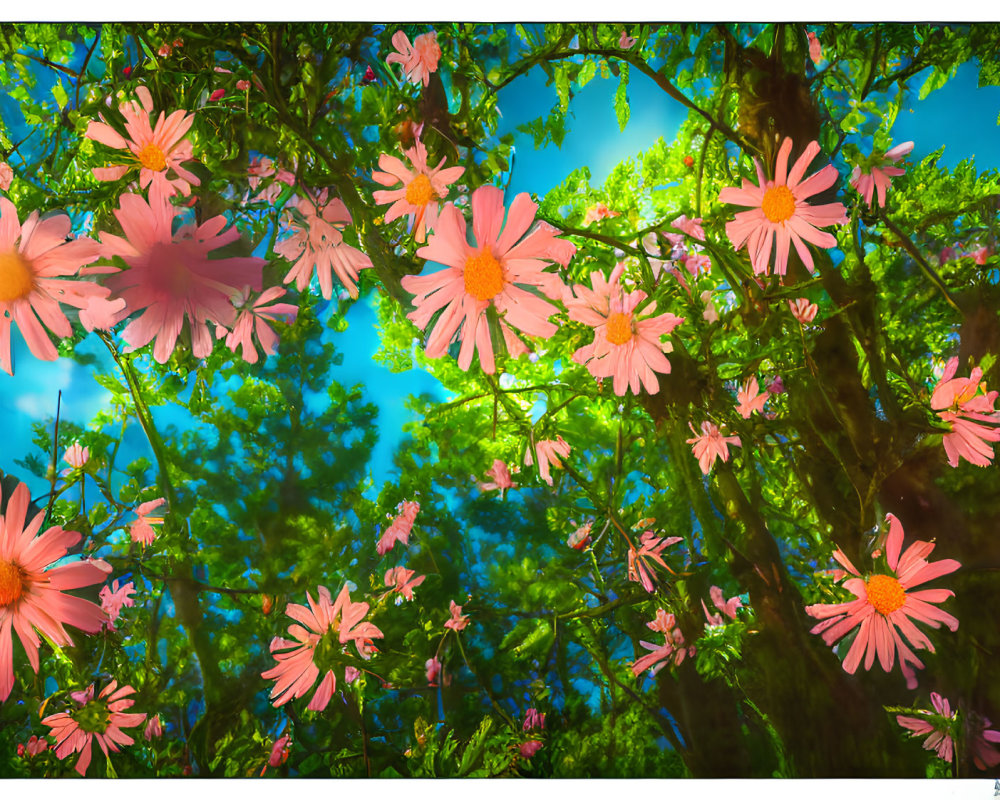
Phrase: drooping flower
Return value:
(672, 649)
(113, 600)
(874, 175)
(419, 59)
(529, 748)
(31, 593)
(156, 151)
(691, 227)
(279, 751)
(457, 621)
(399, 530)
(780, 214)
(533, 719)
(141, 530)
(153, 729)
(35, 746)
(318, 244)
(319, 646)
(101, 718)
(263, 167)
(749, 401)
(815, 48)
(727, 607)
(777, 386)
(171, 276)
(6, 176)
(627, 343)
(980, 739)
(625, 41)
(256, 318)
(402, 581)
(491, 273)
(422, 188)
(433, 667)
(596, 212)
(651, 547)
(37, 264)
(885, 606)
(76, 456)
(710, 445)
(580, 538)
(548, 452)
(501, 479)
(936, 726)
(965, 400)
(803, 310)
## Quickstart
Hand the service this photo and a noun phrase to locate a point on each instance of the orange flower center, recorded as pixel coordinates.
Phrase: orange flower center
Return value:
(16, 277)
(151, 157)
(419, 192)
(778, 204)
(483, 276)
(11, 583)
(885, 593)
(619, 327)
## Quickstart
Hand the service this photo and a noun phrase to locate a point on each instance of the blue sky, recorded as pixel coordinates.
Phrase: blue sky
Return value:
(959, 116)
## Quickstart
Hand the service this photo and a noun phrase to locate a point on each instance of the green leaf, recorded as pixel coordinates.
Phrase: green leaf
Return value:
(562, 87)
(621, 98)
(937, 79)
(475, 747)
(586, 73)
(59, 92)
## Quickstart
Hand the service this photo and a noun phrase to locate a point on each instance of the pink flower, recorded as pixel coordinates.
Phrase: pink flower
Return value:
(501, 478)
(35, 746)
(710, 314)
(102, 719)
(76, 456)
(625, 41)
(640, 568)
(692, 227)
(155, 150)
(711, 444)
(218, 94)
(33, 281)
(947, 254)
(401, 580)
(279, 751)
(457, 621)
(979, 255)
(6, 176)
(166, 49)
(696, 263)
(254, 319)
(777, 386)
(966, 399)
(433, 667)
(627, 343)
(422, 188)
(399, 530)
(979, 737)
(171, 276)
(492, 272)
(351, 674)
(533, 719)
(114, 599)
(141, 530)
(884, 603)
(263, 167)
(528, 749)
(815, 48)
(876, 173)
(419, 60)
(672, 649)
(329, 627)
(748, 400)
(596, 212)
(727, 607)
(243, 86)
(803, 310)
(153, 730)
(780, 214)
(319, 244)
(31, 593)
(580, 538)
(548, 452)
(935, 725)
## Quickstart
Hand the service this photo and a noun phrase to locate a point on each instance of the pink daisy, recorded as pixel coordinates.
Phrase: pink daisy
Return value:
(874, 175)
(884, 603)
(749, 401)
(936, 726)
(491, 272)
(402, 581)
(141, 530)
(156, 150)
(965, 400)
(710, 445)
(399, 530)
(114, 599)
(501, 479)
(780, 214)
(640, 568)
(457, 621)
(255, 318)
(422, 188)
(980, 739)
(548, 452)
(35, 261)
(100, 718)
(627, 343)
(803, 310)
(31, 593)
(419, 59)
(320, 645)
(171, 276)
(318, 244)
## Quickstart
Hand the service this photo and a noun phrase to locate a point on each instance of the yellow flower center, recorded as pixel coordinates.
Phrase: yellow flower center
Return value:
(483, 276)
(419, 192)
(885, 593)
(619, 327)
(11, 583)
(93, 717)
(151, 157)
(778, 204)
(16, 277)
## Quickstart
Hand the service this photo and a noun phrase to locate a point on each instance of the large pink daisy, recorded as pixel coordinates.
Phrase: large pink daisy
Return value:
(101, 718)
(156, 150)
(964, 403)
(171, 275)
(491, 272)
(626, 346)
(35, 262)
(780, 214)
(422, 188)
(320, 645)
(419, 59)
(885, 607)
(31, 594)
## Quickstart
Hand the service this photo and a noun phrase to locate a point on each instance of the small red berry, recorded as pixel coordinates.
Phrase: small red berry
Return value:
(688, 161)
